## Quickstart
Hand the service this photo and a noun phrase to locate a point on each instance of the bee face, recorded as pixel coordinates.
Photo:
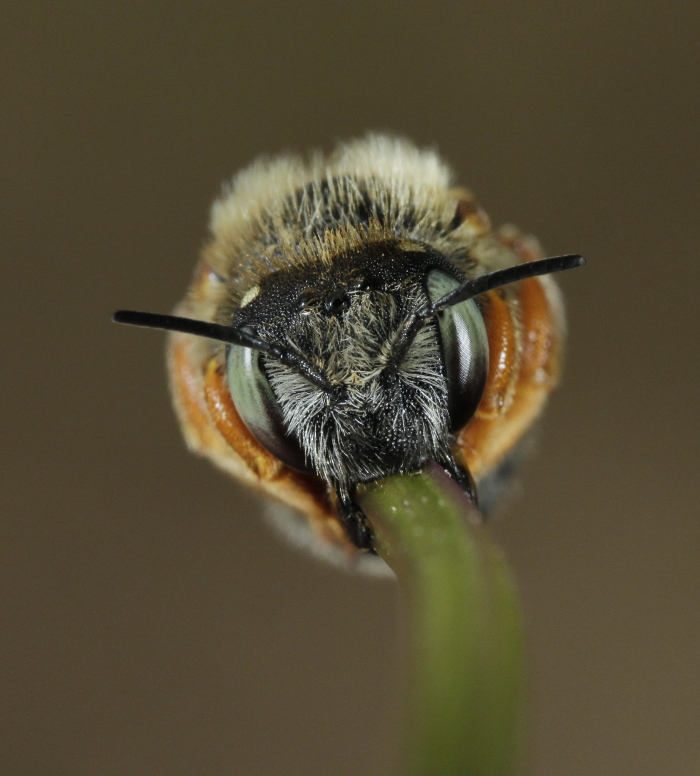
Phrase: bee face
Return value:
(377, 414)
(374, 422)
(373, 322)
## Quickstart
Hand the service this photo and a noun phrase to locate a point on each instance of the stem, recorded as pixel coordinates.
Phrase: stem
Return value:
(466, 662)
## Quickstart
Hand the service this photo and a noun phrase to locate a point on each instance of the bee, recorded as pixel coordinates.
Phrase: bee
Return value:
(354, 316)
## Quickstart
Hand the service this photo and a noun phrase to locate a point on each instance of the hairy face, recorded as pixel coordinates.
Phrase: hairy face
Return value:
(381, 422)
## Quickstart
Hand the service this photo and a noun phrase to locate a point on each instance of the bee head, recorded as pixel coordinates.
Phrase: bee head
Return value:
(360, 366)
(377, 403)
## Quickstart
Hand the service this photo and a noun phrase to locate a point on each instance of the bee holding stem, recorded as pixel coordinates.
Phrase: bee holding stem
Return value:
(354, 316)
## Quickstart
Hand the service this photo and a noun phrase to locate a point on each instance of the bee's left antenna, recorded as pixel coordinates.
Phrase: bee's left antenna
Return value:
(471, 288)
(502, 277)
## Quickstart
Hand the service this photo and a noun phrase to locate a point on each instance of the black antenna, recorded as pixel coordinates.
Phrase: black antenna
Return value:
(227, 334)
(191, 326)
(502, 277)
(473, 287)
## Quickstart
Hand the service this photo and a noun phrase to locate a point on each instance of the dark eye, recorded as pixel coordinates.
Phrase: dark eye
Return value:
(307, 299)
(465, 350)
(363, 283)
(256, 404)
(336, 302)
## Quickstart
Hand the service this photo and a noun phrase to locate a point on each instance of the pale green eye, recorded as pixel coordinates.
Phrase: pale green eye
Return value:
(465, 350)
(256, 404)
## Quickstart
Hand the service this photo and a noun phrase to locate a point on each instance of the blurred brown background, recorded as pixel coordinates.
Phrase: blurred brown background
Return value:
(151, 622)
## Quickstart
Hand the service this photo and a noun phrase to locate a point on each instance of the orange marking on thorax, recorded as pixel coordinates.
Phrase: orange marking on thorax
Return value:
(539, 366)
(233, 429)
(503, 356)
(490, 435)
(187, 383)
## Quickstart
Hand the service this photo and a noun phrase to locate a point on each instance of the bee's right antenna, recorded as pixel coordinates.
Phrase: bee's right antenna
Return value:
(228, 334)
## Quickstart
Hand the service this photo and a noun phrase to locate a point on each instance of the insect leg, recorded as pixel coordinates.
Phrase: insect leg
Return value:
(354, 521)
(462, 477)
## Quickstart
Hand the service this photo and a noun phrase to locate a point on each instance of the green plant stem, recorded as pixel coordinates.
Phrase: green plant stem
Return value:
(466, 656)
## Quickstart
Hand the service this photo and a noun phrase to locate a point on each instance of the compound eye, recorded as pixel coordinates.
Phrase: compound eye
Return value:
(465, 350)
(256, 404)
